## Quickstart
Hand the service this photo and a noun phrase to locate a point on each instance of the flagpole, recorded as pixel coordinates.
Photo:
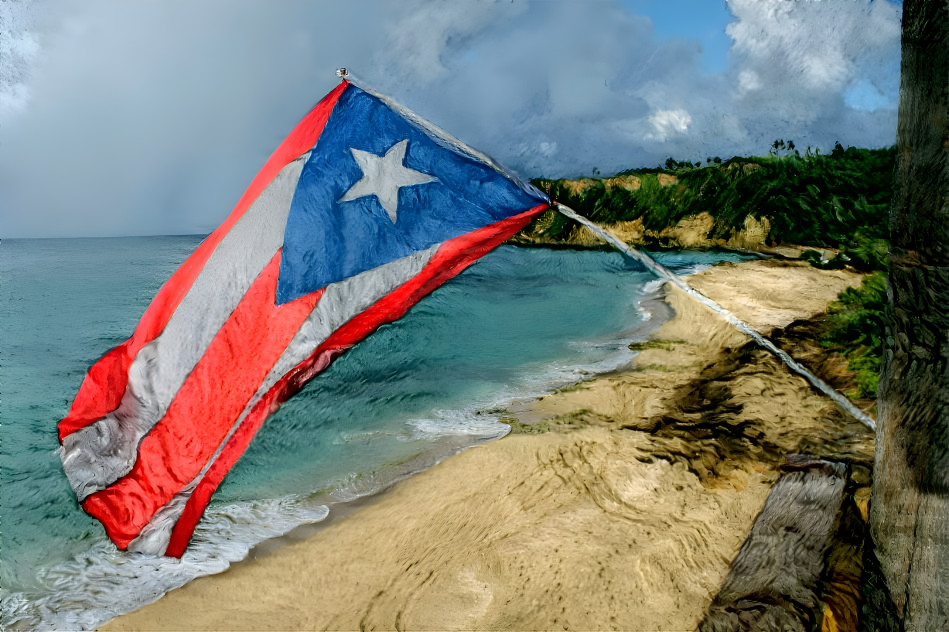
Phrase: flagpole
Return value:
(663, 272)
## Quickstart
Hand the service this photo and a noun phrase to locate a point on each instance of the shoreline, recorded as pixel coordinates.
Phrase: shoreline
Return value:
(616, 503)
(653, 304)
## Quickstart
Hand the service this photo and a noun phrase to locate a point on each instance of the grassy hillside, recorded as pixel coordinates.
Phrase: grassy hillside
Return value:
(838, 200)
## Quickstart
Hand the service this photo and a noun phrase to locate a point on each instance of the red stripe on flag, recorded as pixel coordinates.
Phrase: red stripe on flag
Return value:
(453, 257)
(104, 385)
(204, 409)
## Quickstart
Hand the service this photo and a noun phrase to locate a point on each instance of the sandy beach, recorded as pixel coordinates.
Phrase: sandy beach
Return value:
(618, 503)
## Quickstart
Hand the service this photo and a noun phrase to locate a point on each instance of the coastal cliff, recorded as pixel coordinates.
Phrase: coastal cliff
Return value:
(833, 204)
(695, 232)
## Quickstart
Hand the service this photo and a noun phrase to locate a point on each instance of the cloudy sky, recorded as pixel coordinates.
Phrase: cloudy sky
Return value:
(151, 117)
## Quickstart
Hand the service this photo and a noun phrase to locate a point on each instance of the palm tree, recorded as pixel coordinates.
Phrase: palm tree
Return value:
(909, 519)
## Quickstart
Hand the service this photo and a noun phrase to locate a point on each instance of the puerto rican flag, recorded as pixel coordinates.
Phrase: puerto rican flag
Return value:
(360, 212)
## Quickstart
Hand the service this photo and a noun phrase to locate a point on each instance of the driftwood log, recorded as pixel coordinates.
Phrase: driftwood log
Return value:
(779, 578)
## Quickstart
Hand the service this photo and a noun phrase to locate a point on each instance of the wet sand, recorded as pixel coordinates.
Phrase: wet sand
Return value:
(615, 504)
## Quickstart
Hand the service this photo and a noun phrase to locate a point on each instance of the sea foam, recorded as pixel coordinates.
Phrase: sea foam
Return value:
(103, 582)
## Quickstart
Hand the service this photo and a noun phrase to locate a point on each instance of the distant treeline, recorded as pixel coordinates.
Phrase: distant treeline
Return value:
(839, 200)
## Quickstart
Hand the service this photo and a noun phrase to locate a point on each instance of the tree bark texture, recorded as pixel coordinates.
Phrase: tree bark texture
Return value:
(909, 518)
(776, 580)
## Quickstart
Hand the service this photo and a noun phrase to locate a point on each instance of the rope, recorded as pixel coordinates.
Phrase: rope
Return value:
(661, 271)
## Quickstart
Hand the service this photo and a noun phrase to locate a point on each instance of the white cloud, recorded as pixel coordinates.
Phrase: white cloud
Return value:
(422, 36)
(795, 62)
(19, 47)
(153, 116)
(748, 81)
(792, 50)
(668, 123)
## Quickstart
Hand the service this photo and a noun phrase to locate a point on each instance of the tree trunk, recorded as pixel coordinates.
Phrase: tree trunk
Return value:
(909, 519)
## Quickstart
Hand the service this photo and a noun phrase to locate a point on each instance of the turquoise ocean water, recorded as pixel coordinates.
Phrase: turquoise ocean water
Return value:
(515, 325)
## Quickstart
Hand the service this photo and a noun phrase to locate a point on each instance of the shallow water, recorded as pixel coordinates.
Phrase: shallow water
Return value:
(517, 324)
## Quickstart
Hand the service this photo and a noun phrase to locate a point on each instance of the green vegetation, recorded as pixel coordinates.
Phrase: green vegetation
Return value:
(856, 329)
(653, 367)
(576, 419)
(839, 200)
(519, 427)
(665, 345)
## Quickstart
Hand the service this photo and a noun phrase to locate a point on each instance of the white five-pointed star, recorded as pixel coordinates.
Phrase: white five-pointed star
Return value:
(383, 176)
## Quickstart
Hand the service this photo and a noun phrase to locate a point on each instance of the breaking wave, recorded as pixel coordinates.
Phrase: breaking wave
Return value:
(517, 325)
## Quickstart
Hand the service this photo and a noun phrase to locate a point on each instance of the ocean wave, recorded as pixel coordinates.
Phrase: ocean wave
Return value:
(103, 582)
(513, 328)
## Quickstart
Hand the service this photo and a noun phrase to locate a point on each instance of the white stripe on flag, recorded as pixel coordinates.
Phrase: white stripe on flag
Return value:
(339, 304)
(96, 456)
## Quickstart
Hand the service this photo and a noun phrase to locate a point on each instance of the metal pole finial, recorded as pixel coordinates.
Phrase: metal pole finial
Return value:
(342, 73)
